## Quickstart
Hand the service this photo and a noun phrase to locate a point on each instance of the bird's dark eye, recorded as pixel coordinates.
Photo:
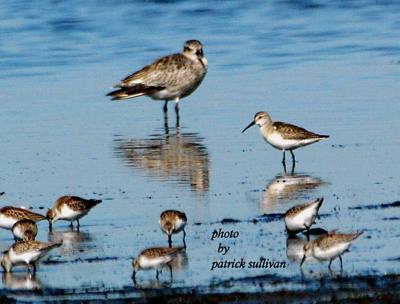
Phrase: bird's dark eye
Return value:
(199, 52)
(186, 49)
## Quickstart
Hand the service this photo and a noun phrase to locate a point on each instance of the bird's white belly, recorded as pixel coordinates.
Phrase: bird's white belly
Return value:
(18, 233)
(179, 225)
(280, 143)
(332, 252)
(7, 222)
(25, 257)
(69, 214)
(147, 263)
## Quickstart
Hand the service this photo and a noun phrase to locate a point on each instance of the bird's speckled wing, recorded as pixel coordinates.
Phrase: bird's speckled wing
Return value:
(165, 72)
(289, 131)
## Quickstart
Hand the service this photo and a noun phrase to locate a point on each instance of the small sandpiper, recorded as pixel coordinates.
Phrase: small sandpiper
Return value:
(10, 215)
(26, 253)
(155, 258)
(168, 78)
(25, 230)
(70, 208)
(329, 246)
(172, 222)
(284, 136)
(302, 217)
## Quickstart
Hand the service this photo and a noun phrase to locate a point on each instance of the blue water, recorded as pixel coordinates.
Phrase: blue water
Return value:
(330, 66)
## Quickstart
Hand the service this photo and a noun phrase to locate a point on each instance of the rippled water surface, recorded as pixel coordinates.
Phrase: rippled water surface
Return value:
(330, 66)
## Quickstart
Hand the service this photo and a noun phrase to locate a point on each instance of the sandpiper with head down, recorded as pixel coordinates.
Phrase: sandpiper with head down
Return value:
(155, 258)
(26, 253)
(329, 246)
(24, 230)
(168, 78)
(70, 208)
(301, 217)
(172, 222)
(284, 136)
(10, 215)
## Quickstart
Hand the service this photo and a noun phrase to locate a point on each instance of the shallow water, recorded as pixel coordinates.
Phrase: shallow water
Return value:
(330, 66)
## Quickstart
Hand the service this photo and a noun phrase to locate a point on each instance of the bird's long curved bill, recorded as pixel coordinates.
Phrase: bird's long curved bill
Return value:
(250, 125)
(302, 260)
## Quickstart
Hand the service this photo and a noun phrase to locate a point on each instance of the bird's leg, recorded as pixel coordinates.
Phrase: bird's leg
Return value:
(293, 165)
(284, 159)
(184, 238)
(157, 274)
(170, 272)
(169, 241)
(165, 108)
(293, 158)
(71, 225)
(78, 224)
(177, 113)
(330, 262)
(341, 263)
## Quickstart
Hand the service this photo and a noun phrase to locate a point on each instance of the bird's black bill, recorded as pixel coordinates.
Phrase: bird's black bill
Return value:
(250, 125)
(302, 260)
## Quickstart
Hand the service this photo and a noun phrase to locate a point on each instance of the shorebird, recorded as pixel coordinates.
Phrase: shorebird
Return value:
(24, 230)
(155, 258)
(26, 253)
(329, 246)
(70, 208)
(10, 215)
(172, 222)
(169, 78)
(284, 136)
(302, 217)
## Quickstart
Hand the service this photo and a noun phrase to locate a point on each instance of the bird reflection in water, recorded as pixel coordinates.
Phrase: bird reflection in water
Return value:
(287, 188)
(20, 281)
(169, 156)
(73, 241)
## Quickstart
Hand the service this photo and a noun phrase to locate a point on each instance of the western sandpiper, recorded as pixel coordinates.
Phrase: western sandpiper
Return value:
(26, 253)
(283, 136)
(329, 246)
(172, 222)
(155, 258)
(302, 217)
(24, 230)
(10, 215)
(168, 78)
(70, 208)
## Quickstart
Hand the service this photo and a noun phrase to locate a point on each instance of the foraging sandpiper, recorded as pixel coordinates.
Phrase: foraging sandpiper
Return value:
(70, 208)
(26, 252)
(172, 222)
(168, 78)
(329, 246)
(10, 215)
(302, 217)
(24, 230)
(155, 258)
(284, 136)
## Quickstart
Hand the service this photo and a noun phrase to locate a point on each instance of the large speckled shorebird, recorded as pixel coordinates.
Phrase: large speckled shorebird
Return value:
(284, 136)
(169, 78)
(329, 246)
(10, 215)
(301, 217)
(24, 230)
(26, 253)
(172, 222)
(70, 208)
(155, 258)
